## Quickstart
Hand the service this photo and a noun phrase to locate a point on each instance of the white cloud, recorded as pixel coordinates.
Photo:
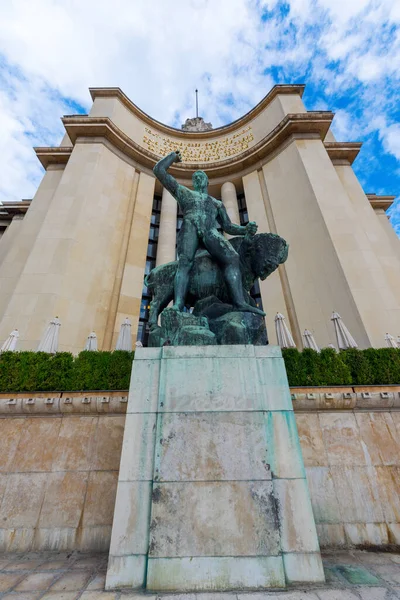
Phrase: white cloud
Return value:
(391, 139)
(159, 52)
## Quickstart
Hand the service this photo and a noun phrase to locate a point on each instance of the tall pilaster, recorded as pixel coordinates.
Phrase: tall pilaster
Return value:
(229, 199)
(272, 295)
(71, 268)
(10, 235)
(135, 262)
(167, 231)
(389, 231)
(377, 237)
(21, 245)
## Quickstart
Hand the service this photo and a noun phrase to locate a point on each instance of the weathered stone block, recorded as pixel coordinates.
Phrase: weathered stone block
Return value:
(126, 571)
(215, 573)
(297, 527)
(284, 446)
(143, 391)
(342, 439)
(311, 442)
(228, 446)
(323, 495)
(214, 519)
(300, 568)
(366, 534)
(358, 500)
(130, 534)
(138, 447)
(331, 535)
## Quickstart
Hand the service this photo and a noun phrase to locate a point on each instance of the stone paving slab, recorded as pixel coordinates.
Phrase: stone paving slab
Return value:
(356, 575)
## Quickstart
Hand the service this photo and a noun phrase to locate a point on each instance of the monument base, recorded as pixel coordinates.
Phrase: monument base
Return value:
(212, 493)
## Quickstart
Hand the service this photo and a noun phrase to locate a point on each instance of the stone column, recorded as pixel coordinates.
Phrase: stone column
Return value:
(132, 280)
(229, 198)
(9, 236)
(71, 268)
(388, 229)
(21, 245)
(167, 232)
(271, 289)
(378, 238)
(333, 262)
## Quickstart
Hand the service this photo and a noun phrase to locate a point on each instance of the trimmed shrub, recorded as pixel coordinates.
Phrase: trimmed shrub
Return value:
(332, 368)
(294, 366)
(35, 371)
(359, 365)
(385, 365)
(120, 367)
(311, 368)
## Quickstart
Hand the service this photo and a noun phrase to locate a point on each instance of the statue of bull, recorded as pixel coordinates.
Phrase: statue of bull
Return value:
(260, 255)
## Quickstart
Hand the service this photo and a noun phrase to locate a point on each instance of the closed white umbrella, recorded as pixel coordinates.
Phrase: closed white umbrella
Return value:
(283, 334)
(91, 342)
(49, 341)
(343, 335)
(124, 341)
(309, 341)
(11, 342)
(390, 341)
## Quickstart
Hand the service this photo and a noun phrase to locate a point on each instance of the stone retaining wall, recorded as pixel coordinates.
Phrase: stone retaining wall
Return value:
(60, 452)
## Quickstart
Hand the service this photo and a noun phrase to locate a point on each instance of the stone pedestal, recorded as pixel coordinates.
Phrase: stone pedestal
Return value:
(212, 493)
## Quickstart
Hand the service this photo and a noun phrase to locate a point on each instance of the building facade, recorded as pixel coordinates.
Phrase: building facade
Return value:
(100, 221)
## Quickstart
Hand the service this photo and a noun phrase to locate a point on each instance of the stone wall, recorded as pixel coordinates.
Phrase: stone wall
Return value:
(59, 470)
(59, 461)
(351, 450)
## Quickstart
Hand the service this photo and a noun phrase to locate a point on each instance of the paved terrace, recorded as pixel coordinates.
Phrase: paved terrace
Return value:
(357, 575)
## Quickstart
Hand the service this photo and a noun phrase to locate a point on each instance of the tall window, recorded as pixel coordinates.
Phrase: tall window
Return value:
(255, 292)
(143, 328)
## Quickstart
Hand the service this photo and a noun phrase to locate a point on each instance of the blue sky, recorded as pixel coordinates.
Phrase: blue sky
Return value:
(347, 53)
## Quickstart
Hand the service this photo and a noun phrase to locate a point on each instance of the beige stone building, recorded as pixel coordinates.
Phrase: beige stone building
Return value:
(99, 221)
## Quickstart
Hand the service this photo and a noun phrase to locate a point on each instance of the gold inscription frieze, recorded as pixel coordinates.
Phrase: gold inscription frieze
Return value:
(199, 151)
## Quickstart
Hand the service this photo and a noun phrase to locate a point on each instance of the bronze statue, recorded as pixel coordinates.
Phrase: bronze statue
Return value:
(201, 216)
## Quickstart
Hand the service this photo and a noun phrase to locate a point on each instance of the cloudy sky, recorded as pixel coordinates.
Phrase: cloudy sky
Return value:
(346, 51)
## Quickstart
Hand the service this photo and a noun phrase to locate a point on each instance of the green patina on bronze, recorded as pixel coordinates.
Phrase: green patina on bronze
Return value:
(212, 274)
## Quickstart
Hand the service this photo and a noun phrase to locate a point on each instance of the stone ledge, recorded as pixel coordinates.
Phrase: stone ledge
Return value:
(305, 399)
(51, 403)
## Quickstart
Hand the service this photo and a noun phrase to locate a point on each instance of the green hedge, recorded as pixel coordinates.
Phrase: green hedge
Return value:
(374, 366)
(38, 371)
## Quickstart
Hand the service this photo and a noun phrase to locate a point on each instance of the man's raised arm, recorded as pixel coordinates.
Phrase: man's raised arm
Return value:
(160, 171)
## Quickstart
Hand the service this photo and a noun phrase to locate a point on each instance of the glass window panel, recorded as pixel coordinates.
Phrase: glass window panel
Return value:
(152, 250)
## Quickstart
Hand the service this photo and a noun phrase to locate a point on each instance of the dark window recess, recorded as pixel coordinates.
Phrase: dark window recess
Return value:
(243, 214)
(143, 328)
(255, 292)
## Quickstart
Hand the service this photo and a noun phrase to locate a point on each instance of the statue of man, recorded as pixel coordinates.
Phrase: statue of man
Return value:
(201, 215)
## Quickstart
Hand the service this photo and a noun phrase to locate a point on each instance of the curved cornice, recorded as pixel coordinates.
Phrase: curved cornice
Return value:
(343, 151)
(118, 93)
(58, 155)
(301, 124)
(383, 202)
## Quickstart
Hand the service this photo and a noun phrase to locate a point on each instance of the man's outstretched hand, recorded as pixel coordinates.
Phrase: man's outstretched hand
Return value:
(251, 228)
